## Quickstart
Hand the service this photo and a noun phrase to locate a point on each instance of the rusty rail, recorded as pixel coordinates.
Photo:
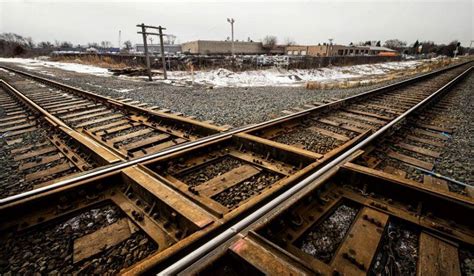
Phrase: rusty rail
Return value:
(200, 141)
(178, 217)
(236, 228)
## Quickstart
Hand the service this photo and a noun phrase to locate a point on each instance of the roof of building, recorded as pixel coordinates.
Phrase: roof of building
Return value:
(158, 45)
(228, 41)
(378, 48)
(374, 48)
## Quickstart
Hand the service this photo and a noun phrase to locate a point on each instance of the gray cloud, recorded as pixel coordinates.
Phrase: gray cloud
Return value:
(306, 22)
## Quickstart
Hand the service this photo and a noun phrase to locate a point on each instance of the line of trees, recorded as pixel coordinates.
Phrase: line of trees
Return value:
(271, 41)
(12, 45)
(426, 47)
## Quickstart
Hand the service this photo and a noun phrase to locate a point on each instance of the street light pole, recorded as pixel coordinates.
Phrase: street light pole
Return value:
(120, 40)
(330, 52)
(231, 21)
(150, 50)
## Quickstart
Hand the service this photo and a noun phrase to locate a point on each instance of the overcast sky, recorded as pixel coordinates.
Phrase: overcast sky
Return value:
(306, 22)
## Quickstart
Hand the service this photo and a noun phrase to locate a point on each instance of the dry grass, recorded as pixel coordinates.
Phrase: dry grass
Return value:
(312, 85)
(104, 62)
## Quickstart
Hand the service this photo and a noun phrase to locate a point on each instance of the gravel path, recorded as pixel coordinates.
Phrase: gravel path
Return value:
(235, 106)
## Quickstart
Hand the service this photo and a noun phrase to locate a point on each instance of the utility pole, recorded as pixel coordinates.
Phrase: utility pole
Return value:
(231, 21)
(160, 31)
(160, 34)
(145, 46)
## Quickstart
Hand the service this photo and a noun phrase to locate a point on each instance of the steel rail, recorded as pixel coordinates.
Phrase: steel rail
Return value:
(124, 164)
(269, 122)
(195, 255)
(111, 101)
(33, 105)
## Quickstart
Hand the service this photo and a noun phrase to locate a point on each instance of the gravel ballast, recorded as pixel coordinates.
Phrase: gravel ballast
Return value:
(49, 249)
(236, 106)
(457, 159)
(456, 147)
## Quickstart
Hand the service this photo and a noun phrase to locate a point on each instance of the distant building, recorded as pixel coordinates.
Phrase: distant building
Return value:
(382, 51)
(156, 48)
(112, 50)
(307, 50)
(213, 47)
(275, 50)
(337, 50)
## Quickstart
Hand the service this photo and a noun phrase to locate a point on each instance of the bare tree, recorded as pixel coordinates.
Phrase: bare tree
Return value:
(428, 47)
(395, 44)
(270, 41)
(105, 44)
(45, 45)
(30, 42)
(448, 50)
(93, 45)
(13, 44)
(65, 45)
(127, 45)
(289, 41)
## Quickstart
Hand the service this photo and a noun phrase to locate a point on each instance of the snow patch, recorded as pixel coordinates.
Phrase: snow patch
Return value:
(38, 64)
(124, 90)
(281, 77)
(226, 78)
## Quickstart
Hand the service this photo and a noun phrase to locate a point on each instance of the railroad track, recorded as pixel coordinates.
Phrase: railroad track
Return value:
(413, 152)
(165, 203)
(364, 216)
(36, 152)
(121, 125)
(77, 131)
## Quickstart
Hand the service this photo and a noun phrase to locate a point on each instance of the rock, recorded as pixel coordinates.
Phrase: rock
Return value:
(51, 266)
(143, 241)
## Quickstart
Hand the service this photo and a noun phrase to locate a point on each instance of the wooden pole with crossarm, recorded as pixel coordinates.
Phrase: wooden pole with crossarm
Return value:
(145, 45)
